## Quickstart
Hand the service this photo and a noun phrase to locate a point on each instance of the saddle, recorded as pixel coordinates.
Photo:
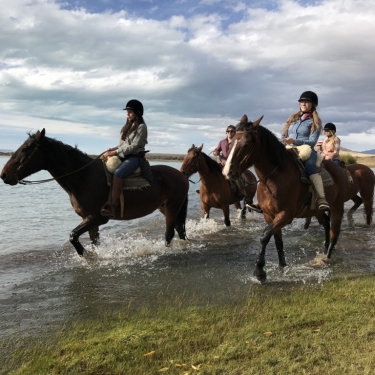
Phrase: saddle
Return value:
(138, 180)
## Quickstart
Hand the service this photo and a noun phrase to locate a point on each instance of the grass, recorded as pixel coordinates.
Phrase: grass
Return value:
(348, 159)
(325, 329)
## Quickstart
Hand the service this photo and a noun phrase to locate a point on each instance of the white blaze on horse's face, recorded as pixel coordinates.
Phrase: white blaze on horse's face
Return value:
(226, 169)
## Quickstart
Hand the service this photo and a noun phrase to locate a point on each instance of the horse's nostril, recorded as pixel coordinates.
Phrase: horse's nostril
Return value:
(3, 176)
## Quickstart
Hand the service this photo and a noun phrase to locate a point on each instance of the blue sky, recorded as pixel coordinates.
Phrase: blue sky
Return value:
(197, 66)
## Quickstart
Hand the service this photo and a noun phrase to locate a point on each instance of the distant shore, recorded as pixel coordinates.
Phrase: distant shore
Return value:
(365, 159)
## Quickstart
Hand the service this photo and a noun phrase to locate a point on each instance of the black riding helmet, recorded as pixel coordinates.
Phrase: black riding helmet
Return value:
(310, 96)
(135, 105)
(330, 126)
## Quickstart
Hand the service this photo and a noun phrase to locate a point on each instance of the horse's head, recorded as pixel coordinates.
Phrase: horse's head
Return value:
(242, 155)
(25, 161)
(191, 161)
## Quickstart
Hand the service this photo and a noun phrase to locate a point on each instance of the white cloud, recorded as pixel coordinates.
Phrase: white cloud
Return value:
(73, 71)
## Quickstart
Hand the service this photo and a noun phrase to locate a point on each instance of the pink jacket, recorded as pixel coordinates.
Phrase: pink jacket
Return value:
(331, 149)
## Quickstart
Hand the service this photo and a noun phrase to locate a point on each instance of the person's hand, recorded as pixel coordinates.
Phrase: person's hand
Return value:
(289, 141)
(109, 153)
(215, 153)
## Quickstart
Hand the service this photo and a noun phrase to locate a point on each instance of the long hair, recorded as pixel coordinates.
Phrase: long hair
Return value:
(127, 129)
(332, 138)
(316, 122)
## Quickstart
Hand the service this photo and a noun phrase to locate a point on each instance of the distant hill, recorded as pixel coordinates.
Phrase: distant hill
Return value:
(371, 152)
(5, 151)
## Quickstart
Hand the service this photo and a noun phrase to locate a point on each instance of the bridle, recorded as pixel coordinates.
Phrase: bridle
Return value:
(25, 182)
(196, 164)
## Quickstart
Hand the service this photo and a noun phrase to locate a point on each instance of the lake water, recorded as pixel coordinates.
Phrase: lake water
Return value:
(43, 282)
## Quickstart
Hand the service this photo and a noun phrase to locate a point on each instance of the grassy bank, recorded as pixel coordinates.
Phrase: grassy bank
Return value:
(326, 329)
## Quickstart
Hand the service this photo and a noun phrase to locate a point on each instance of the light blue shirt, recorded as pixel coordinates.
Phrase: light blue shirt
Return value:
(300, 131)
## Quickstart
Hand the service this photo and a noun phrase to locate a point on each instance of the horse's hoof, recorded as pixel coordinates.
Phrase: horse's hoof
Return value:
(260, 275)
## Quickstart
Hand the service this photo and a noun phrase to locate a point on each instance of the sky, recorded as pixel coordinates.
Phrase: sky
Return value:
(196, 65)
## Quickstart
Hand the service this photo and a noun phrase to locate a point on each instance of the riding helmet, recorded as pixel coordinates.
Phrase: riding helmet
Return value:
(330, 126)
(310, 96)
(135, 105)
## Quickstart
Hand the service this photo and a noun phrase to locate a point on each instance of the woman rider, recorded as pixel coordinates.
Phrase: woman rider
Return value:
(133, 140)
(304, 128)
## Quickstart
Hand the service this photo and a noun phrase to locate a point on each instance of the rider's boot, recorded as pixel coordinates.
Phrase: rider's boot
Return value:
(317, 184)
(109, 209)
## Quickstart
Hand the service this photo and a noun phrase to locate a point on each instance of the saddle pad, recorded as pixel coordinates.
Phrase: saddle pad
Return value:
(135, 183)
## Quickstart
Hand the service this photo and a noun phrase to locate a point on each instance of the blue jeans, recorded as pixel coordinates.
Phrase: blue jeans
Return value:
(310, 164)
(127, 167)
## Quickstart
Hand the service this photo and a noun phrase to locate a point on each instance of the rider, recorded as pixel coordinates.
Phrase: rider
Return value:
(304, 127)
(223, 150)
(133, 139)
(331, 145)
(225, 145)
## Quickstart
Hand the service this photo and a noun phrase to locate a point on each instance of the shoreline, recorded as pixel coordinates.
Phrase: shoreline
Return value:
(365, 159)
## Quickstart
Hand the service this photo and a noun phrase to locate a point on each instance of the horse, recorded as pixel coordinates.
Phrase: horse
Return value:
(88, 190)
(363, 182)
(215, 191)
(281, 193)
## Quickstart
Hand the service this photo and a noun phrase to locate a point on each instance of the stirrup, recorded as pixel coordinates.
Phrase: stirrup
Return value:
(322, 205)
(254, 207)
(107, 210)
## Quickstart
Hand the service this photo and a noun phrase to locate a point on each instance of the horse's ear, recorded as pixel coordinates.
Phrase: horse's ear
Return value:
(244, 119)
(200, 147)
(40, 135)
(257, 122)
(192, 146)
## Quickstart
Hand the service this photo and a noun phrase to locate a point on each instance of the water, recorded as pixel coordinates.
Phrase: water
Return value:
(44, 283)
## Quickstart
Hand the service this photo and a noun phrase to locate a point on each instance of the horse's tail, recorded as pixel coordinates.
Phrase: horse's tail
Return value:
(181, 220)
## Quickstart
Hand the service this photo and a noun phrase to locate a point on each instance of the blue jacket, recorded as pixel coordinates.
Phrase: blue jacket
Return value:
(300, 131)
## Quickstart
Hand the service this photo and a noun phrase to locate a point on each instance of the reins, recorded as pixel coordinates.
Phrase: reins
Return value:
(25, 182)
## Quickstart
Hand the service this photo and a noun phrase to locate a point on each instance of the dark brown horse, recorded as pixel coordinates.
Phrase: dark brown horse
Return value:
(281, 193)
(215, 191)
(363, 183)
(88, 189)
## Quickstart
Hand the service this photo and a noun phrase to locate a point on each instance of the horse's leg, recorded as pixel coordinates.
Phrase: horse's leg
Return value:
(205, 210)
(87, 224)
(280, 247)
(181, 221)
(368, 209)
(336, 218)
(357, 202)
(368, 201)
(226, 215)
(259, 272)
(324, 221)
(307, 223)
(94, 236)
(237, 206)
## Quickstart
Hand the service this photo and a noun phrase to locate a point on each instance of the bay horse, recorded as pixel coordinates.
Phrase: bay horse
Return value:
(281, 193)
(88, 189)
(363, 183)
(215, 191)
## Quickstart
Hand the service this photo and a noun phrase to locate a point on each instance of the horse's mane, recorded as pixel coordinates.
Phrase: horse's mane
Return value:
(213, 166)
(274, 148)
(63, 151)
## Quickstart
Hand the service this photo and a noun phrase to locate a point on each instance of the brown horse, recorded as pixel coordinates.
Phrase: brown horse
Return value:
(363, 183)
(215, 191)
(88, 189)
(281, 193)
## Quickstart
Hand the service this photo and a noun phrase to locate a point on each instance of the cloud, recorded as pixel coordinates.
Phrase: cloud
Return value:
(196, 71)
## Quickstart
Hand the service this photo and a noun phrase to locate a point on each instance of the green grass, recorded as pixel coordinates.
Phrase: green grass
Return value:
(325, 329)
(348, 159)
